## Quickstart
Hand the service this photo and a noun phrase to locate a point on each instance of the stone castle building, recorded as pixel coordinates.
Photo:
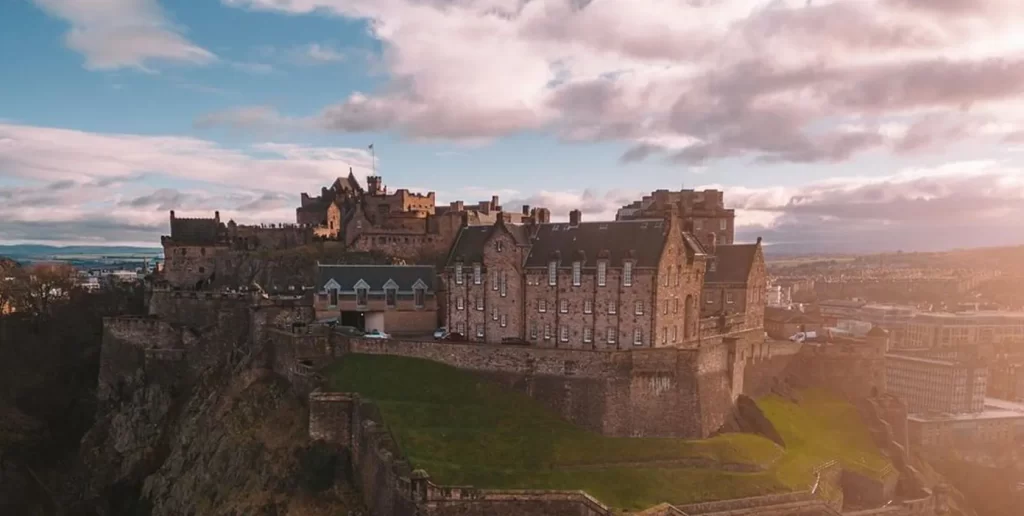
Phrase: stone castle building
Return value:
(595, 285)
(402, 224)
(703, 212)
(199, 250)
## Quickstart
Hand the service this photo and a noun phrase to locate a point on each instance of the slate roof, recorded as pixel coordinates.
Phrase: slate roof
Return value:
(642, 240)
(197, 231)
(375, 276)
(784, 315)
(733, 263)
(469, 245)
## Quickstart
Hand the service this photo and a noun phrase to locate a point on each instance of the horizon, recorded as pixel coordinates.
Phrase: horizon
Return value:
(853, 126)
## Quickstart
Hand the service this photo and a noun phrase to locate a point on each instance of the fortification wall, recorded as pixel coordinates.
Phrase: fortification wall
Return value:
(196, 309)
(655, 392)
(137, 350)
(390, 487)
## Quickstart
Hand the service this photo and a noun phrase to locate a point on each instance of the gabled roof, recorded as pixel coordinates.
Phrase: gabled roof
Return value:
(404, 277)
(641, 240)
(470, 242)
(733, 263)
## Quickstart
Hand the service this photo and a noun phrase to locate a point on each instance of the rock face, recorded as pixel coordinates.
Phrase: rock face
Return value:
(237, 447)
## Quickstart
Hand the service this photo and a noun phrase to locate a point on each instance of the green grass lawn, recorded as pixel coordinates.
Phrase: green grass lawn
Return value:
(465, 431)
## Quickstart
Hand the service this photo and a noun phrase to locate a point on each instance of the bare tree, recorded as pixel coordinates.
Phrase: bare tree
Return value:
(36, 288)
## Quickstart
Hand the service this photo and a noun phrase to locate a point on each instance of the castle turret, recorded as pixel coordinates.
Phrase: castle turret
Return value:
(373, 185)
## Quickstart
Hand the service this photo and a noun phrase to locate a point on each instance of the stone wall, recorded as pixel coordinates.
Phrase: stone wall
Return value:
(195, 309)
(132, 345)
(390, 487)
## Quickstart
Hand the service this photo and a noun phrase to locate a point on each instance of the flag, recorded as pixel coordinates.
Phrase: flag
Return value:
(371, 146)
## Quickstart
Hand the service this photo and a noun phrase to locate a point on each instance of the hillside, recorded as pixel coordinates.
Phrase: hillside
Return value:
(465, 431)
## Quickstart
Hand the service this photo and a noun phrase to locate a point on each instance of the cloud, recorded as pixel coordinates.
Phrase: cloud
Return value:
(690, 82)
(56, 180)
(319, 53)
(114, 34)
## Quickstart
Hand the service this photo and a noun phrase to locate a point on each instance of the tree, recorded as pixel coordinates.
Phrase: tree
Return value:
(35, 289)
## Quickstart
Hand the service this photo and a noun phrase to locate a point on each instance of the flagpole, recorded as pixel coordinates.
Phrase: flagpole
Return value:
(373, 154)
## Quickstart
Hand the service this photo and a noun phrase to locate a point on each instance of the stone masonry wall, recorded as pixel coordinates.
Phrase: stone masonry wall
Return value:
(123, 353)
(642, 392)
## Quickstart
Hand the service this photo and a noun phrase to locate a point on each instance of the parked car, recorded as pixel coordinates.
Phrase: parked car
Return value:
(441, 333)
(376, 334)
(455, 337)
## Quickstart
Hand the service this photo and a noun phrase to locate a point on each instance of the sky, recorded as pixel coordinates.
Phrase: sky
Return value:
(832, 126)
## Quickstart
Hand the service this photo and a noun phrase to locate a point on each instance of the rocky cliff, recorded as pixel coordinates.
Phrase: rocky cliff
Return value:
(233, 444)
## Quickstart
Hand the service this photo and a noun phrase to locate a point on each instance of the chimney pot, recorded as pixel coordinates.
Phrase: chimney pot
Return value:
(758, 240)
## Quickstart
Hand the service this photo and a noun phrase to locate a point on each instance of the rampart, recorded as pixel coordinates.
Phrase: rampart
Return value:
(154, 347)
(391, 487)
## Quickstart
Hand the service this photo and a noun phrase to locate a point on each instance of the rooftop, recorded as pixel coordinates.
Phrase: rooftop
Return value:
(994, 409)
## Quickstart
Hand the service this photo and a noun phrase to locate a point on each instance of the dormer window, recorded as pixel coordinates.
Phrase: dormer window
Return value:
(334, 297)
(552, 273)
(391, 297)
(458, 273)
(577, 272)
(362, 296)
(602, 273)
(627, 274)
(476, 274)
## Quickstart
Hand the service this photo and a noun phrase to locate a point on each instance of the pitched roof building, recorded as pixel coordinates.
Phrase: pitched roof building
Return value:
(397, 299)
(598, 285)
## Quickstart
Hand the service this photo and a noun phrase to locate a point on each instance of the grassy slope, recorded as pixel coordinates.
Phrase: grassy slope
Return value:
(464, 431)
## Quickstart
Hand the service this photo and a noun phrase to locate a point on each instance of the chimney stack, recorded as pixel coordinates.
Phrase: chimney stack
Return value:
(574, 217)
(712, 243)
(216, 216)
(758, 240)
(172, 214)
(526, 210)
(494, 202)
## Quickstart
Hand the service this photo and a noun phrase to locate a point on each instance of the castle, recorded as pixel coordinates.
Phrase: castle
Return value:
(637, 327)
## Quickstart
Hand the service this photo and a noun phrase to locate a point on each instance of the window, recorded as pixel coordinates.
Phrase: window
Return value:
(675, 333)
(362, 296)
(202, 270)
(419, 296)
(679, 273)
(460, 328)
(504, 277)
(494, 279)
(723, 224)
(728, 297)
(480, 331)
(638, 309)
(612, 307)
(552, 274)
(577, 271)
(504, 321)
(542, 305)
(202, 251)
(499, 245)
(664, 307)
(460, 304)
(611, 335)
(476, 274)
(638, 337)
(697, 225)
(480, 303)
(391, 297)
(588, 306)
(494, 314)
(563, 333)
(563, 306)
(627, 274)
(675, 305)
(533, 330)
(602, 273)
(665, 280)
(458, 273)
(588, 334)
(334, 297)
(547, 332)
